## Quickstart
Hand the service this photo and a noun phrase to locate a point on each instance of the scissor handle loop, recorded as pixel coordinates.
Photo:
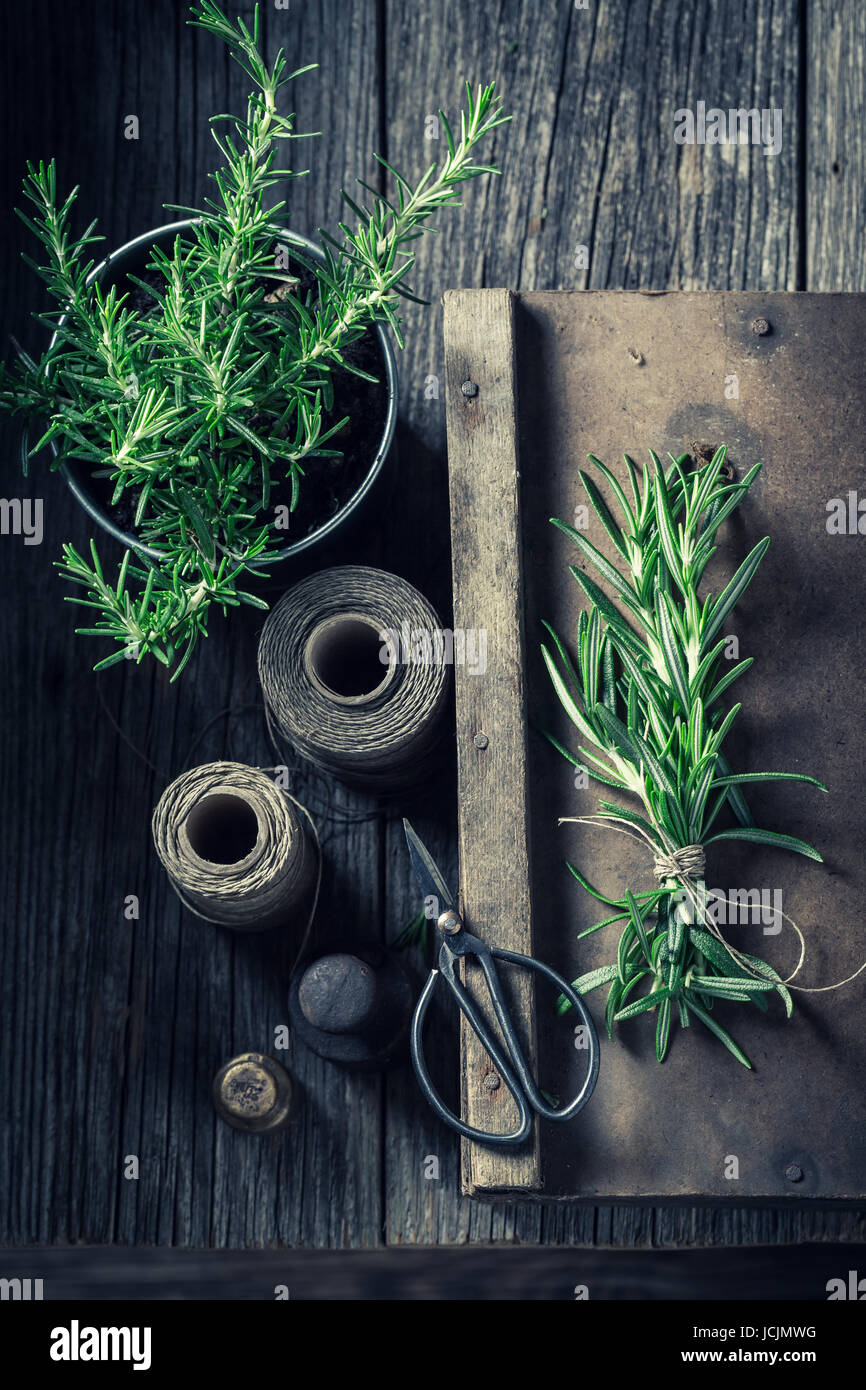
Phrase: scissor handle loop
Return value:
(416, 1047)
(513, 1067)
(536, 1100)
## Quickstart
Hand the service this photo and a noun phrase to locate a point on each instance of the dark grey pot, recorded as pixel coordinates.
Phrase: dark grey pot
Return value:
(134, 251)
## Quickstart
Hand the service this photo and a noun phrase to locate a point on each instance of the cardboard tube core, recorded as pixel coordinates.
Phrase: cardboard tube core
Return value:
(222, 829)
(343, 659)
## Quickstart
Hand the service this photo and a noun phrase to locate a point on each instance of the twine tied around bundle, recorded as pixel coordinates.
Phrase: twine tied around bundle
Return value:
(685, 865)
(687, 862)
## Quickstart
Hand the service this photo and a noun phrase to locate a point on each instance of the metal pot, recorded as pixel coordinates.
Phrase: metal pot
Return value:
(77, 478)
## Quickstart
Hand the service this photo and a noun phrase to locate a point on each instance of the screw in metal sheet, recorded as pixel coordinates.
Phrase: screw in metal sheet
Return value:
(794, 1173)
(469, 388)
(491, 1082)
(481, 741)
(761, 326)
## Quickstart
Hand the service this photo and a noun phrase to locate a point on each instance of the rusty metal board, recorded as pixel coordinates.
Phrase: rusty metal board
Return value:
(559, 375)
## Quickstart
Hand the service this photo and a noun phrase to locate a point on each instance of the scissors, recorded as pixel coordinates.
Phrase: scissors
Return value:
(457, 944)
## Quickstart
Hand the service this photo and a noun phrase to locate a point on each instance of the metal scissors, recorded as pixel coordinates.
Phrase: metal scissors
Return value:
(456, 943)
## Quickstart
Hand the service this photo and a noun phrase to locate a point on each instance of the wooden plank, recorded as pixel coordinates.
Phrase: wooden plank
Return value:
(113, 1028)
(520, 43)
(832, 156)
(491, 742)
(527, 1273)
(589, 160)
(835, 146)
(596, 193)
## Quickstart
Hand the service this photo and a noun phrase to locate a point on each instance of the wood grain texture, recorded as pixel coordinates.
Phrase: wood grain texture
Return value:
(492, 766)
(110, 1031)
(588, 160)
(528, 1273)
(113, 1029)
(835, 147)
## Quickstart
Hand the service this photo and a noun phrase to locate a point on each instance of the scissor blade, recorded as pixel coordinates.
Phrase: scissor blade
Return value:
(430, 880)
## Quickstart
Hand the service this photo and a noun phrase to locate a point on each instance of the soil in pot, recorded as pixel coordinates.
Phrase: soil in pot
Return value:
(328, 483)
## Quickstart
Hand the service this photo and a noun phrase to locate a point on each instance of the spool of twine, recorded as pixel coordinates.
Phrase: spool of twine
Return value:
(341, 690)
(234, 846)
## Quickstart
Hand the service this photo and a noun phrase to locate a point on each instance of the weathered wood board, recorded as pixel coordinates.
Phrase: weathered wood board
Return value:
(622, 372)
(491, 741)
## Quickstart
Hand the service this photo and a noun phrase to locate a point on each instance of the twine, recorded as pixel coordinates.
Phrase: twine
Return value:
(687, 862)
(685, 865)
(383, 737)
(274, 872)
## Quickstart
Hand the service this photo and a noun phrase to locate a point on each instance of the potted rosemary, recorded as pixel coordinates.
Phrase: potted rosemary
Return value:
(233, 390)
(646, 697)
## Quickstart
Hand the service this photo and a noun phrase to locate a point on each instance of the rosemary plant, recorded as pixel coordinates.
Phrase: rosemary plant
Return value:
(646, 698)
(197, 404)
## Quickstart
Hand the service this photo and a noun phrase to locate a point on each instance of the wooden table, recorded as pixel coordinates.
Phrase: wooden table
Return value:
(110, 1029)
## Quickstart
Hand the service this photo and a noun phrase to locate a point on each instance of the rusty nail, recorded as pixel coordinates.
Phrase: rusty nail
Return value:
(492, 1082)
(794, 1173)
(481, 740)
(761, 326)
(469, 388)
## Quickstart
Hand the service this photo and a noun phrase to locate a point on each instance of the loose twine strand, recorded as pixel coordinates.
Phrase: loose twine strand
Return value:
(314, 902)
(685, 865)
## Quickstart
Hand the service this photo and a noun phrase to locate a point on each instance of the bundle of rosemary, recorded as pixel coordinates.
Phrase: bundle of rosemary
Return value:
(646, 697)
(197, 404)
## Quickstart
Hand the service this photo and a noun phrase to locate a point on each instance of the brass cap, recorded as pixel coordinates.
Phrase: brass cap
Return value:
(253, 1093)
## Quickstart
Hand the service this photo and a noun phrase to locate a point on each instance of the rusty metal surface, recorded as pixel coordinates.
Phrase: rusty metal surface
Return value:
(621, 372)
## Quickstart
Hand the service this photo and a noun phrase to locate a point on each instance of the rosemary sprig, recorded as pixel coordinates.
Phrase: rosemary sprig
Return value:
(197, 404)
(646, 698)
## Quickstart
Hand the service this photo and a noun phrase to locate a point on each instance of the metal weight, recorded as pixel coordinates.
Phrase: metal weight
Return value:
(253, 1093)
(353, 1010)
